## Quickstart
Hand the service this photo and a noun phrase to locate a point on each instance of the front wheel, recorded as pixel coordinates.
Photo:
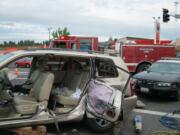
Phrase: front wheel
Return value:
(99, 125)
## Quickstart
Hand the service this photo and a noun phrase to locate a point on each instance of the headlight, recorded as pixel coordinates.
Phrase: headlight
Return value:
(134, 80)
(163, 84)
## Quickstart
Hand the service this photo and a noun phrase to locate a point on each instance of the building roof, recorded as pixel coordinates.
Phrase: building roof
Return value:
(136, 38)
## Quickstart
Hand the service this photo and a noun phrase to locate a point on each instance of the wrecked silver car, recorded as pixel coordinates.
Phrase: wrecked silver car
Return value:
(65, 86)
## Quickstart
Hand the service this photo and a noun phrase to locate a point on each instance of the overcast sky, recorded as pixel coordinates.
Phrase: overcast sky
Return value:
(29, 19)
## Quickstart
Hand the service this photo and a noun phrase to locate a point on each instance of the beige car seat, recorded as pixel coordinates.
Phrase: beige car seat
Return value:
(29, 83)
(74, 79)
(34, 75)
(42, 88)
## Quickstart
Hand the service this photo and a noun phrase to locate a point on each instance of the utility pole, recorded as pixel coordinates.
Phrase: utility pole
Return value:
(49, 30)
(157, 30)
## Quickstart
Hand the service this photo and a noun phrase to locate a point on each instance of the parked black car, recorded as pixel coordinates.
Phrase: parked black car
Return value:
(163, 77)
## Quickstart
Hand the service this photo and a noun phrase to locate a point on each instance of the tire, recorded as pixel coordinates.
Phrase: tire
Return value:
(143, 67)
(27, 66)
(99, 125)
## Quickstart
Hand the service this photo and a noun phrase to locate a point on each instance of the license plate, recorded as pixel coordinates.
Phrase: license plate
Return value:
(145, 90)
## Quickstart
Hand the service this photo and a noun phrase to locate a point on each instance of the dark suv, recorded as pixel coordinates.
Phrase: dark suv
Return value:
(163, 77)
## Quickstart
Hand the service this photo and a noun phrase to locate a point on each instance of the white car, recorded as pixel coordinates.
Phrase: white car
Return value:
(65, 86)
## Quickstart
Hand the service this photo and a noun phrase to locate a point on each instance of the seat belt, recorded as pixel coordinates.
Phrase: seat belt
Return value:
(55, 122)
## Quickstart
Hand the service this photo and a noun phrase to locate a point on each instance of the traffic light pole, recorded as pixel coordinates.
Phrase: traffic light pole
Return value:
(166, 14)
(177, 16)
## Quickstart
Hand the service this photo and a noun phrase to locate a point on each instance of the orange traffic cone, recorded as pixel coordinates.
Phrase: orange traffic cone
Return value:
(16, 71)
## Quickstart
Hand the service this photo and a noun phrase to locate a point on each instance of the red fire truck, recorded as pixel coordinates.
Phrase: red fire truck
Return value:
(76, 42)
(139, 54)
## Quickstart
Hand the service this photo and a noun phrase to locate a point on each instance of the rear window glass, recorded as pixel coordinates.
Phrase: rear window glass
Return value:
(106, 68)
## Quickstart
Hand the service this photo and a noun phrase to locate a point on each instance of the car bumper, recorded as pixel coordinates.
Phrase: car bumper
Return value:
(156, 90)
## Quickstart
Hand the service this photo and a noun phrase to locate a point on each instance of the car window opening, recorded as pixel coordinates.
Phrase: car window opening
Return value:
(71, 78)
(105, 68)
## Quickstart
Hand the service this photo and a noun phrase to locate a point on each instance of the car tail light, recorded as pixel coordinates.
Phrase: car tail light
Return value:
(132, 87)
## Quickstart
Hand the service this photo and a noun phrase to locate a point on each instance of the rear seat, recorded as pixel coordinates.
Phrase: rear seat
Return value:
(73, 79)
(59, 75)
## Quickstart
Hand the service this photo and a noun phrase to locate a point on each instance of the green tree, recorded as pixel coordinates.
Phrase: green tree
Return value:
(65, 32)
(55, 34)
(60, 32)
(5, 43)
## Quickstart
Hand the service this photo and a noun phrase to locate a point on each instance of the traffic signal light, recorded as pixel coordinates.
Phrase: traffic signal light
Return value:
(165, 15)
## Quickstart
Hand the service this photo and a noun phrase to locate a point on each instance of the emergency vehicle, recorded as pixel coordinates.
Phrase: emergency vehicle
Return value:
(139, 53)
(76, 42)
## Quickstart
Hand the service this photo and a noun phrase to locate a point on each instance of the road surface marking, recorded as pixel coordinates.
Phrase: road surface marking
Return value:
(156, 113)
(23, 72)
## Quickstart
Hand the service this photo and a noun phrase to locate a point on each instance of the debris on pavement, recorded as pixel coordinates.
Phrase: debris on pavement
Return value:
(138, 123)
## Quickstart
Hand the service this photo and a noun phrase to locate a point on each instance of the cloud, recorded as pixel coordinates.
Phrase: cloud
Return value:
(31, 18)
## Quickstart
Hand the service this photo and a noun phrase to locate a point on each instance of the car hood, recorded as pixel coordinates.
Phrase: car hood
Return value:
(155, 76)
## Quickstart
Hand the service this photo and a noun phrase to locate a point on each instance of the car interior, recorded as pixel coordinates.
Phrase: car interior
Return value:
(53, 82)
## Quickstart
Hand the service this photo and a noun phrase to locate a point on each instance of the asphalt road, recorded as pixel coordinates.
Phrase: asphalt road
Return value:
(155, 107)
